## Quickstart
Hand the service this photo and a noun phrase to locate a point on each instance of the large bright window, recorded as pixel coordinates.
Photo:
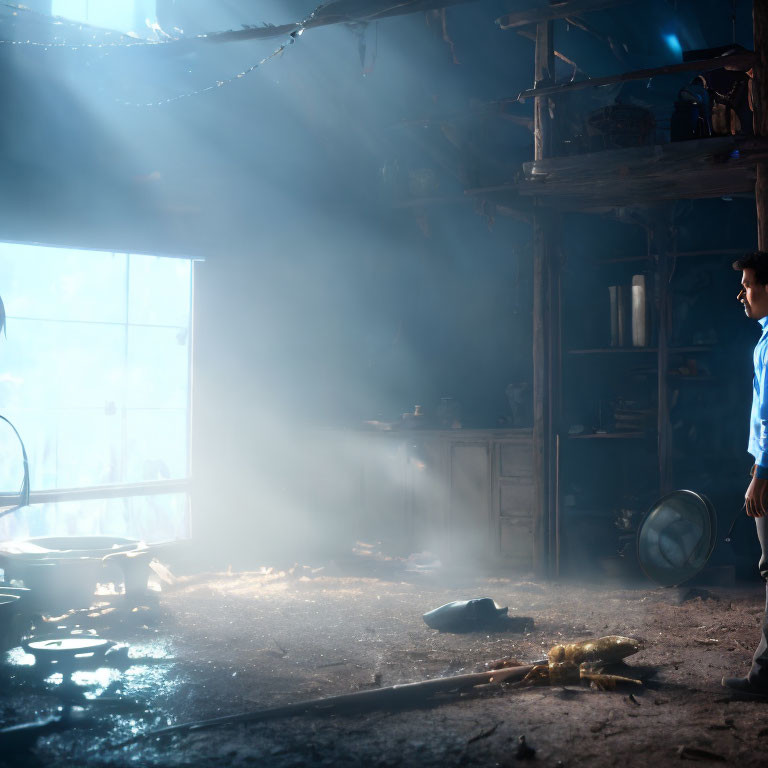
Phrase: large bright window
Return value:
(120, 15)
(94, 373)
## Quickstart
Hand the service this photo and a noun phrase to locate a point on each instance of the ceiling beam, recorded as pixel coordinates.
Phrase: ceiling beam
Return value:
(638, 175)
(739, 61)
(336, 12)
(554, 10)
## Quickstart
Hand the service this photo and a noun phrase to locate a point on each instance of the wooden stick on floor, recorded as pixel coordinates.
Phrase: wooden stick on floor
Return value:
(408, 693)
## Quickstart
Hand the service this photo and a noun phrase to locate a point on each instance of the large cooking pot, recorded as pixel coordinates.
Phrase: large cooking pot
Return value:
(8, 605)
(62, 571)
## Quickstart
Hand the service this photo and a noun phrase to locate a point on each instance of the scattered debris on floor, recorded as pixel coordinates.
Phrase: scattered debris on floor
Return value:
(608, 649)
(347, 636)
(585, 661)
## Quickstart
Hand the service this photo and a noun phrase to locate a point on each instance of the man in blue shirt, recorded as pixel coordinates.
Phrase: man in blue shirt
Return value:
(754, 296)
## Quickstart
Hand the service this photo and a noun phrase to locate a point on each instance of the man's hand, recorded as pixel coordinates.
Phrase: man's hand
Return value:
(756, 498)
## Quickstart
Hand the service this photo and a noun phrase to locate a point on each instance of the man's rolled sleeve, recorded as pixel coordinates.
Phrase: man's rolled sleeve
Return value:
(761, 457)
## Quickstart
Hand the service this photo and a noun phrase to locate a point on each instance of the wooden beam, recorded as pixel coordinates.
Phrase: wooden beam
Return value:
(638, 175)
(558, 9)
(760, 117)
(554, 368)
(544, 67)
(336, 12)
(401, 695)
(541, 425)
(742, 61)
(544, 73)
(151, 488)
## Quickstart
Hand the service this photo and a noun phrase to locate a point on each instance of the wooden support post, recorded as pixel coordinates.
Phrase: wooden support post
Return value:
(542, 317)
(544, 72)
(541, 426)
(760, 107)
(555, 398)
(660, 245)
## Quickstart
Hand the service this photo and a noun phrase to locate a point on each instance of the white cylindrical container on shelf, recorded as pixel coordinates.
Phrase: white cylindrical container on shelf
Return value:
(639, 312)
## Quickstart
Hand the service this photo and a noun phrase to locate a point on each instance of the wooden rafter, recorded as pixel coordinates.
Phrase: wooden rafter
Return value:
(554, 10)
(742, 61)
(337, 12)
(715, 167)
(355, 11)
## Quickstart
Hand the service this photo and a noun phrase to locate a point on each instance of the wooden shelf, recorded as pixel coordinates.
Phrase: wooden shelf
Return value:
(625, 259)
(681, 377)
(715, 252)
(610, 436)
(611, 350)
(625, 350)
(679, 255)
(702, 168)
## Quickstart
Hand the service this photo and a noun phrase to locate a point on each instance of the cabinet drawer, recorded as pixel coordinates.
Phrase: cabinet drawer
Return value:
(515, 460)
(517, 540)
(516, 498)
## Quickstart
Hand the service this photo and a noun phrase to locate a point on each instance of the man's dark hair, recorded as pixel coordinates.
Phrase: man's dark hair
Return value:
(757, 260)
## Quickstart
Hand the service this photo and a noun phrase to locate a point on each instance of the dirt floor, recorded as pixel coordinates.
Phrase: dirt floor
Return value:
(224, 643)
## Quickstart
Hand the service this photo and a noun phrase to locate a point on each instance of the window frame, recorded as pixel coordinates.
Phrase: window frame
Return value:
(10, 499)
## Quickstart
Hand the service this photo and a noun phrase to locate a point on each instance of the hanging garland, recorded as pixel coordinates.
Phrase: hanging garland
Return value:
(325, 14)
(296, 31)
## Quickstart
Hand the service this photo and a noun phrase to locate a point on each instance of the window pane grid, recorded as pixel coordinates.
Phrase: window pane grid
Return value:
(94, 372)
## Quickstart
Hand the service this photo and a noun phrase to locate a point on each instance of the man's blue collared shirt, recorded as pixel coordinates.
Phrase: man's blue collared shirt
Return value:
(758, 425)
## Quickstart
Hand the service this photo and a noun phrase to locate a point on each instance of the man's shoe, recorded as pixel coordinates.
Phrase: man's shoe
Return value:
(745, 685)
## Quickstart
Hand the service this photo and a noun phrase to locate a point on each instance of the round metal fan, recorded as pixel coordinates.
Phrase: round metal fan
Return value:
(676, 537)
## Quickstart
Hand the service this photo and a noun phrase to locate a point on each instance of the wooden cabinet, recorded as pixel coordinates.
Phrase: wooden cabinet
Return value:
(465, 495)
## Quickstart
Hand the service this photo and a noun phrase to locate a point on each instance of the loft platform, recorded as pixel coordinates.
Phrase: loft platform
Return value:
(717, 167)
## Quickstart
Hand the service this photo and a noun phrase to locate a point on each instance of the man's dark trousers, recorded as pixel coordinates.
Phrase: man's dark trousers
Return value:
(758, 675)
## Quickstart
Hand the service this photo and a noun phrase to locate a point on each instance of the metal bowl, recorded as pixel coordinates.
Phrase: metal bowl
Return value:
(61, 571)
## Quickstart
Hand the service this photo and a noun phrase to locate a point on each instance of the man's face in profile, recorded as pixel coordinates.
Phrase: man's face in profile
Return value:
(753, 295)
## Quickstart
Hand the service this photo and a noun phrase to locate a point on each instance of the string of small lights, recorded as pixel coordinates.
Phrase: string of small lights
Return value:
(131, 39)
(128, 41)
(218, 83)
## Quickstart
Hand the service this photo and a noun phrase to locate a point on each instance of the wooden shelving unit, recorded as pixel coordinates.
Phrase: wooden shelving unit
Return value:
(640, 177)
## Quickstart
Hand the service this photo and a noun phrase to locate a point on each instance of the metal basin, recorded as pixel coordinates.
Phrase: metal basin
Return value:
(62, 571)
